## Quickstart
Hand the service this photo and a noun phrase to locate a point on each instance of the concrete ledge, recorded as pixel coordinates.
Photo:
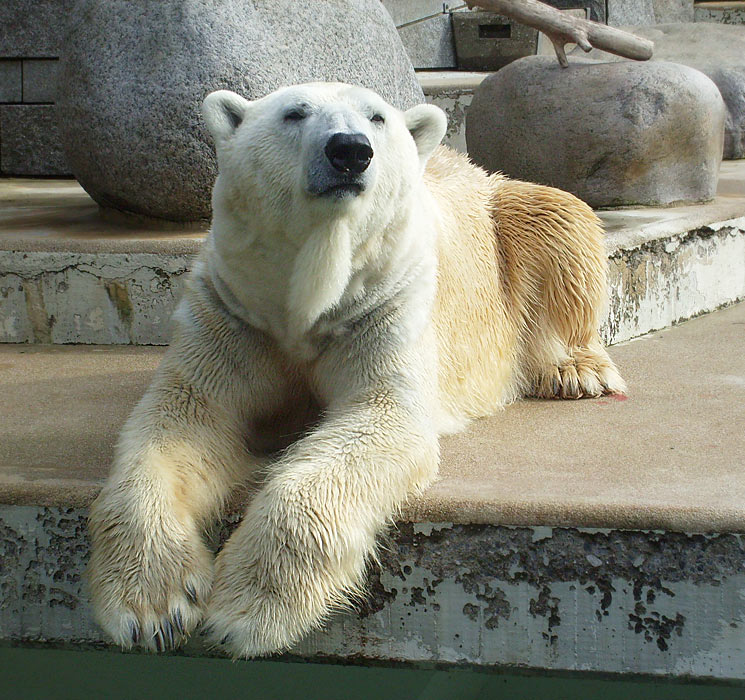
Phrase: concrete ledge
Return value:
(552, 599)
(452, 92)
(566, 463)
(598, 535)
(724, 12)
(66, 276)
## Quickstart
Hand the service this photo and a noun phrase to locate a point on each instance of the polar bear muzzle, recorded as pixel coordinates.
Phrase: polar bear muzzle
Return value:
(349, 153)
(340, 168)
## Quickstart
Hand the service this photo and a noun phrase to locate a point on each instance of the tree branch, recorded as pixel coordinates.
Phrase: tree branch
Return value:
(564, 29)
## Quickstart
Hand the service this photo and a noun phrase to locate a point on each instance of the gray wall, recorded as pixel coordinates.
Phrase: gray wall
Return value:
(30, 38)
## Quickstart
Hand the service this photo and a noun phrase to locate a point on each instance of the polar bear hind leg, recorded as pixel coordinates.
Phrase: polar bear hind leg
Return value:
(555, 274)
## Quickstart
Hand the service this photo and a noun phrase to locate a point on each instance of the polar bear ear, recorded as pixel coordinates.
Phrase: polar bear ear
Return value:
(427, 125)
(223, 113)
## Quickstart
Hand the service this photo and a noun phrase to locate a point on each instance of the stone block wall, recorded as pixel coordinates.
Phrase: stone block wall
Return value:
(30, 38)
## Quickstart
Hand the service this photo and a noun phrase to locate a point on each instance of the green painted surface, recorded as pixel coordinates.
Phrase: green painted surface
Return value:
(47, 674)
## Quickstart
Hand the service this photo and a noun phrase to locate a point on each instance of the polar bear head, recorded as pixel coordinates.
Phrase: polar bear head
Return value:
(320, 149)
(319, 193)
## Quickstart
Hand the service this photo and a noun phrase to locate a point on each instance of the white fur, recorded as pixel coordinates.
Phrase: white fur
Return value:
(293, 273)
(306, 333)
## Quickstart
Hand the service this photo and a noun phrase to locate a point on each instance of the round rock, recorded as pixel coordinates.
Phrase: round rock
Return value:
(613, 134)
(134, 74)
(718, 50)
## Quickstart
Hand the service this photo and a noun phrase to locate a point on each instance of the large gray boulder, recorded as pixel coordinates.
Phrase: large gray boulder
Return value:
(134, 74)
(718, 50)
(613, 134)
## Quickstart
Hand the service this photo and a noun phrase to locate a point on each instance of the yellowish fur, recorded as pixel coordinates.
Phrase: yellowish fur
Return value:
(521, 288)
(330, 342)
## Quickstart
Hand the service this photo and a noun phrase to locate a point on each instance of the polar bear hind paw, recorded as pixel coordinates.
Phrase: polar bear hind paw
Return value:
(585, 373)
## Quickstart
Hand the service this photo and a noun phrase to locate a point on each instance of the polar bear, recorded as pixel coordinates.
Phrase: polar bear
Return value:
(363, 290)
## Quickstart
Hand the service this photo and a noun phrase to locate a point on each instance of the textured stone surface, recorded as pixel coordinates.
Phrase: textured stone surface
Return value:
(40, 80)
(29, 141)
(405, 11)
(672, 11)
(429, 42)
(11, 86)
(33, 27)
(611, 133)
(630, 12)
(718, 50)
(136, 74)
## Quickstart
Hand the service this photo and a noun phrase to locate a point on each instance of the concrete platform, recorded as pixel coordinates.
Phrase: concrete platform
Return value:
(599, 535)
(67, 276)
(578, 464)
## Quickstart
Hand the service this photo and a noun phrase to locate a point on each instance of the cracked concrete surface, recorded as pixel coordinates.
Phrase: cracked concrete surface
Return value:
(100, 298)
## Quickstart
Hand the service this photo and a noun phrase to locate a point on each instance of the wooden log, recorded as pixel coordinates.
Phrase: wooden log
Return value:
(564, 29)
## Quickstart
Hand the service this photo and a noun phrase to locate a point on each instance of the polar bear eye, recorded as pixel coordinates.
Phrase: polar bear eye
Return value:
(377, 118)
(294, 115)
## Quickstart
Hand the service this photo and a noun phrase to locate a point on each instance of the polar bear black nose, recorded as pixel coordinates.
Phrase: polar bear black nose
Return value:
(349, 153)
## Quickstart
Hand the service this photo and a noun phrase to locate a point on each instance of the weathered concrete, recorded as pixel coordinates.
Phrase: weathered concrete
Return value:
(452, 92)
(487, 41)
(144, 149)
(608, 555)
(722, 12)
(661, 604)
(98, 297)
(614, 134)
(67, 276)
(554, 598)
(658, 280)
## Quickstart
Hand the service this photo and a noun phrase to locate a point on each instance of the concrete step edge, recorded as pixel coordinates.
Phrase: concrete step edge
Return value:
(665, 265)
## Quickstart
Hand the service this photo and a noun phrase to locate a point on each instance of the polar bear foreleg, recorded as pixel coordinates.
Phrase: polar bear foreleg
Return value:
(180, 454)
(302, 548)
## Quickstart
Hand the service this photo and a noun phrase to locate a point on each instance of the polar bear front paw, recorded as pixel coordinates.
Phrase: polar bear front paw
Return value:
(276, 579)
(148, 591)
(252, 612)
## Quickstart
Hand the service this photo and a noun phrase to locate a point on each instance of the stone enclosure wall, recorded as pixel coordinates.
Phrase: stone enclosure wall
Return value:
(31, 35)
(30, 39)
